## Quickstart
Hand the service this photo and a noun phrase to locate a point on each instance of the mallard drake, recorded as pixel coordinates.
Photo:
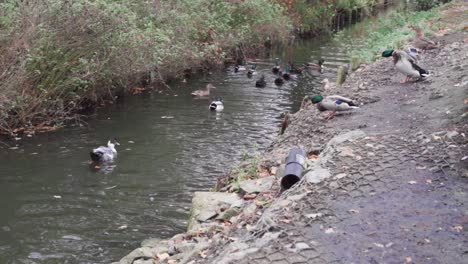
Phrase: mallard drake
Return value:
(286, 74)
(413, 53)
(205, 92)
(420, 41)
(279, 80)
(314, 66)
(217, 104)
(261, 82)
(277, 67)
(252, 71)
(335, 103)
(103, 153)
(406, 65)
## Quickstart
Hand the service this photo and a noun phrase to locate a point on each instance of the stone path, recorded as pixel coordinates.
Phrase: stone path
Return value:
(391, 199)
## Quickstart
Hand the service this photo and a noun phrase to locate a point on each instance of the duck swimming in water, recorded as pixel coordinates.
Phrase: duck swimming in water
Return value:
(217, 105)
(103, 153)
(261, 82)
(277, 67)
(252, 71)
(205, 92)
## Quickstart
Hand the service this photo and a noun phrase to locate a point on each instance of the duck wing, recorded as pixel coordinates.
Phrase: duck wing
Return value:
(339, 97)
(337, 105)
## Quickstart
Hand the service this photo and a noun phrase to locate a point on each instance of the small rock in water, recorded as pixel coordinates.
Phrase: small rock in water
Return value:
(6, 228)
(57, 197)
(35, 255)
(72, 237)
(122, 227)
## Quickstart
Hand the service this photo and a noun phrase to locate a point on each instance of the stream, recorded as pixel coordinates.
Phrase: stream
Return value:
(56, 208)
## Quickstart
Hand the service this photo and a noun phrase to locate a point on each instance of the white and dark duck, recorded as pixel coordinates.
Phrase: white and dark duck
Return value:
(252, 71)
(334, 103)
(240, 67)
(105, 153)
(260, 83)
(279, 79)
(406, 64)
(277, 67)
(217, 105)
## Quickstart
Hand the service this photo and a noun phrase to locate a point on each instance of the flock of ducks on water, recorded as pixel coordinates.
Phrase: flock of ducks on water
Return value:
(405, 62)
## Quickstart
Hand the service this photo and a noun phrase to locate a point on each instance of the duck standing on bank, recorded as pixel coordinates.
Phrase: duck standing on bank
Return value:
(206, 92)
(103, 153)
(420, 41)
(406, 65)
(334, 103)
(217, 105)
(261, 82)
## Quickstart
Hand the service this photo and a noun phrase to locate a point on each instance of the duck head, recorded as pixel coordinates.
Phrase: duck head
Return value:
(387, 53)
(210, 86)
(317, 99)
(112, 143)
(277, 62)
(321, 61)
(219, 98)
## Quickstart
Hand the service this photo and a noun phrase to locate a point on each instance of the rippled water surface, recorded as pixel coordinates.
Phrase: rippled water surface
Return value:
(55, 208)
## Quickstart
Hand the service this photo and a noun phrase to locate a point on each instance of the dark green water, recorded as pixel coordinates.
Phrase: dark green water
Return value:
(56, 209)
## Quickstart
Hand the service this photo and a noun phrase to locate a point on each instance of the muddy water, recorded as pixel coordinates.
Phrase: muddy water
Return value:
(55, 208)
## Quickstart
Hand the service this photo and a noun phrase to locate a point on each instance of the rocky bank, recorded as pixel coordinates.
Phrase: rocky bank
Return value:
(383, 184)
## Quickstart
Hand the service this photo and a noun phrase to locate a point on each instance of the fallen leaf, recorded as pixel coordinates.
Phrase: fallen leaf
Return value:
(354, 211)
(408, 259)
(250, 196)
(457, 228)
(312, 157)
(429, 181)
(379, 245)
(412, 182)
(259, 203)
(162, 256)
(203, 254)
(97, 167)
(286, 221)
(172, 261)
(330, 231)
(313, 216)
